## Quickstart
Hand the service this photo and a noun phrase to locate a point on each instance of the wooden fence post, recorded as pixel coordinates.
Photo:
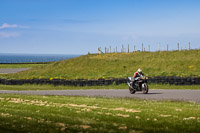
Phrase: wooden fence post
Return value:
(128, 48)
(142, 47)
(123, 49)
(134, 48)
(99, 50)
(149, 48)
(178, 46)
(189, 45)
(167, 47)
(163, 47)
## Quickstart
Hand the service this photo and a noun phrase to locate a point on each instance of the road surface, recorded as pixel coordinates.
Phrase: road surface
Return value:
(154, 94)
(12, 70)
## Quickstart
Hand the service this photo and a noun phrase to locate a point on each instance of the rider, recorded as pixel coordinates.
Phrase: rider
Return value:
(136, 75)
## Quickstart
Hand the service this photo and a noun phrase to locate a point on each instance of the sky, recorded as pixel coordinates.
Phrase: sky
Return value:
(81, 26)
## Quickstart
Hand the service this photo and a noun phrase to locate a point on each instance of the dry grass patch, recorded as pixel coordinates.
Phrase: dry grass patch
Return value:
(85, 114)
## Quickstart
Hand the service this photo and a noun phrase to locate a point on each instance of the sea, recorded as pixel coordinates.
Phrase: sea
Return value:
(28, 58)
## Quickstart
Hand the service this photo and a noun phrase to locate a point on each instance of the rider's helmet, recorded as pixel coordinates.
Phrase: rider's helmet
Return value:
(139, 70)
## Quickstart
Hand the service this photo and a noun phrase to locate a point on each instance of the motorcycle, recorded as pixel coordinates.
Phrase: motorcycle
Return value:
(139, 85)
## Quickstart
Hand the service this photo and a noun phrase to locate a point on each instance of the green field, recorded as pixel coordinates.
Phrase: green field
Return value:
(25, 113)
(118, 65)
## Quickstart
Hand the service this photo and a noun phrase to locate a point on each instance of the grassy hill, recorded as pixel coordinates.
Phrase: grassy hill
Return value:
(118, 65)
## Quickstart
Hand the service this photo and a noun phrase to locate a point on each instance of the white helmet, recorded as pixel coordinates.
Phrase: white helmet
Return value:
(139, 70)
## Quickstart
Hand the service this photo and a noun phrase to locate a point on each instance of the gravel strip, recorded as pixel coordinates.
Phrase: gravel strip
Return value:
(154, 94)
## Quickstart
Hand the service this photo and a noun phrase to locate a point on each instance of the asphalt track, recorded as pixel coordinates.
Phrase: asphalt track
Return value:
(154, 94)
(12, 70)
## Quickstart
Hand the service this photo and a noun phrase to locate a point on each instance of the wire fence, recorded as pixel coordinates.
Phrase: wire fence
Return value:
(127, 49)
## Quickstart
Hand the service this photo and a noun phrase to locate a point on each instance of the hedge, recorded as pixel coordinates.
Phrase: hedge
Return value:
(100, 82)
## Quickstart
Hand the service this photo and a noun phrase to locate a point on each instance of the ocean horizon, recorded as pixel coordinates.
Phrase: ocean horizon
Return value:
(28, 58)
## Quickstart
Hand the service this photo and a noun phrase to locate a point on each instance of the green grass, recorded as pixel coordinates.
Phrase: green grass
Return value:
(25, 113)
(118, 65)
(121, 86)
(167, 86)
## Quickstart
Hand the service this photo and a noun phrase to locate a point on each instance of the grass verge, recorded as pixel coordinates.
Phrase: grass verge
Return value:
(121, 86)
(25, 113)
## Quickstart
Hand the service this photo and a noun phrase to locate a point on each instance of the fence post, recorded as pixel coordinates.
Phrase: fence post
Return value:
(163, 47)
(105, 50)
(142, 47)
(134, 48)
(178, 46)
(159, 47)
(128, 48)
(167, 47)
(189, 45)
(123, 49)
(149, 48)
(110, 49)
(116, 49)
(98, 50)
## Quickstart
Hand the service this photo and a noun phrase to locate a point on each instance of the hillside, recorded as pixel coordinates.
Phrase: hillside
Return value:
(118, 65)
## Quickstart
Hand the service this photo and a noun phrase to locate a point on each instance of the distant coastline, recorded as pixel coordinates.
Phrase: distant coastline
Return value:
(27, 58)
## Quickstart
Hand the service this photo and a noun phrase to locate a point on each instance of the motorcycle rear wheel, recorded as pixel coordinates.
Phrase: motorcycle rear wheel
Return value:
(132, 91)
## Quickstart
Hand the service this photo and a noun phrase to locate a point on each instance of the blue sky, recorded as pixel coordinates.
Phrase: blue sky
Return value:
(81, 26)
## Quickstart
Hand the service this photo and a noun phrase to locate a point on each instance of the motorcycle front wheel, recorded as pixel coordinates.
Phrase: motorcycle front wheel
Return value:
(145, 88)
(132, 91)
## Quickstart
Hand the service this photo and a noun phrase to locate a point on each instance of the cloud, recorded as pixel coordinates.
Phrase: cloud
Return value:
(9, 34)
(6, 25)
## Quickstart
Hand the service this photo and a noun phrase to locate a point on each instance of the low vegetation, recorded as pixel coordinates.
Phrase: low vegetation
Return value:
(118, 65)
(24, 113)
(61, 87)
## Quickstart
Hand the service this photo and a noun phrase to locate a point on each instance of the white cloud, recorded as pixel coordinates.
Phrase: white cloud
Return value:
(6, 25)
(9, 34)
